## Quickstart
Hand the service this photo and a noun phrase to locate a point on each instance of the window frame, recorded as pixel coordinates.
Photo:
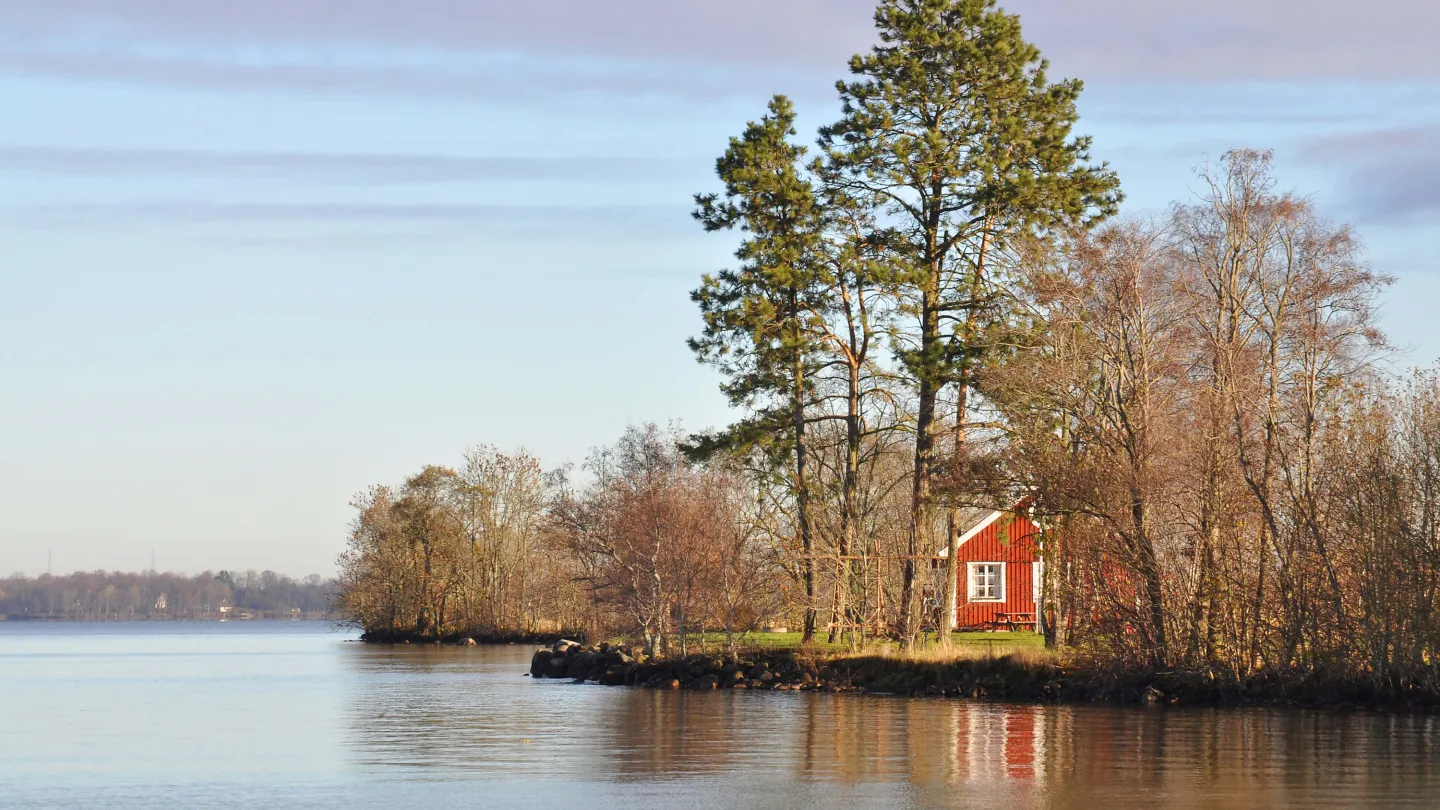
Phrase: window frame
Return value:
(972, 588)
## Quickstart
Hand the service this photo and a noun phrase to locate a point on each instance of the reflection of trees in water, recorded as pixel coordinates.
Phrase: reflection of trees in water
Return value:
(825, 737)
(423, 706)
(862, 739)
(446, 708)
(1074, 754)
(664, 734)
(1045, 750)
(1224, 758)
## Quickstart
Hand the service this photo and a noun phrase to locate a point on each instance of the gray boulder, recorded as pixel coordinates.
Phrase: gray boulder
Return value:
(580, 664)
(557, 667)
(617, 675)
(540, 663)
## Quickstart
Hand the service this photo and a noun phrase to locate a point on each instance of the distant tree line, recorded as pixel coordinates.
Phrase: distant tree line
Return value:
(937, 309)
(111, 595)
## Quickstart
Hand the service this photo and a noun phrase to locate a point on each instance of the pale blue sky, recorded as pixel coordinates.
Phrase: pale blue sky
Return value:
(256, 256)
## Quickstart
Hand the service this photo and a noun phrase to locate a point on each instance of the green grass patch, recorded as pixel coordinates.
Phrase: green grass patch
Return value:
(997, 643)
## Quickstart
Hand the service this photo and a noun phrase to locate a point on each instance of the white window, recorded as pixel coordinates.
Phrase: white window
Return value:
(987, 582)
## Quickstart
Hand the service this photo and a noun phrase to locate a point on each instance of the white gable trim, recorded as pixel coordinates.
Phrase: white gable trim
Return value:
(970, 535)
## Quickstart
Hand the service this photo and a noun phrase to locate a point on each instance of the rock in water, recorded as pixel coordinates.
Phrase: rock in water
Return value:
(557, 667)
(617, 675)
(580, 664)
(540, 663)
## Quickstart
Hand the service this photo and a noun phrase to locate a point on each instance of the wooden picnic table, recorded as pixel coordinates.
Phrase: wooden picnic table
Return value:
(1015, 621)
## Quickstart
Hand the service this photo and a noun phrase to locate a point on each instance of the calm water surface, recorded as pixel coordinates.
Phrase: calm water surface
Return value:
(293, 715)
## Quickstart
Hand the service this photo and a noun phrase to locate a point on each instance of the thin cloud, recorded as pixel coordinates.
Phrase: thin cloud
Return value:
(1398, 192)
(1237, 40)
(522, 80)
(1368, 145)
(374, 169)
(796, 32)
(1392, 176)
(666, 48)
(204, 212)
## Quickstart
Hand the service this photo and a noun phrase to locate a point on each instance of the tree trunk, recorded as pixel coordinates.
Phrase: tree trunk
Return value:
(845, 571)
(949, 594)
(802, 491)
(1154, 592)
(949, 600)
(924, 459)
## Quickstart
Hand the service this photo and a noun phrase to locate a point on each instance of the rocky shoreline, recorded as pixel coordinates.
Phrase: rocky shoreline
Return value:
(621, 665)
(999, 679)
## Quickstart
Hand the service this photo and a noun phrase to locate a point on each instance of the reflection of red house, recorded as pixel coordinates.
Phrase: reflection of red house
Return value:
(999, 570)
(1001, 742)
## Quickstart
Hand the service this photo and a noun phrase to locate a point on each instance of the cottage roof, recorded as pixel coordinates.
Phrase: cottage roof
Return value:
(972, 521)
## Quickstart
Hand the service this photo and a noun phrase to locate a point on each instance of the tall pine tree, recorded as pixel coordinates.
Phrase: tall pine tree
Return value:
(952, 127)
(760, 318)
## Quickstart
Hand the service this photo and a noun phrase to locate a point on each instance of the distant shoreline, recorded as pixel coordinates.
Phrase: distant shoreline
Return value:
(255, 617)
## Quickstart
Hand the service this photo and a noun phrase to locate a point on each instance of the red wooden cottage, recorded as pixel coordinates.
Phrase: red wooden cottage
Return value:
(999, 570)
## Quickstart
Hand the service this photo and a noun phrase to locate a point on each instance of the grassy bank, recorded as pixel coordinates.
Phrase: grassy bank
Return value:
(1023, 672)
(999, 642)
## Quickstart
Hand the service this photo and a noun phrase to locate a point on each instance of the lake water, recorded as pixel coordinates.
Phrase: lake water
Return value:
(242, 714)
